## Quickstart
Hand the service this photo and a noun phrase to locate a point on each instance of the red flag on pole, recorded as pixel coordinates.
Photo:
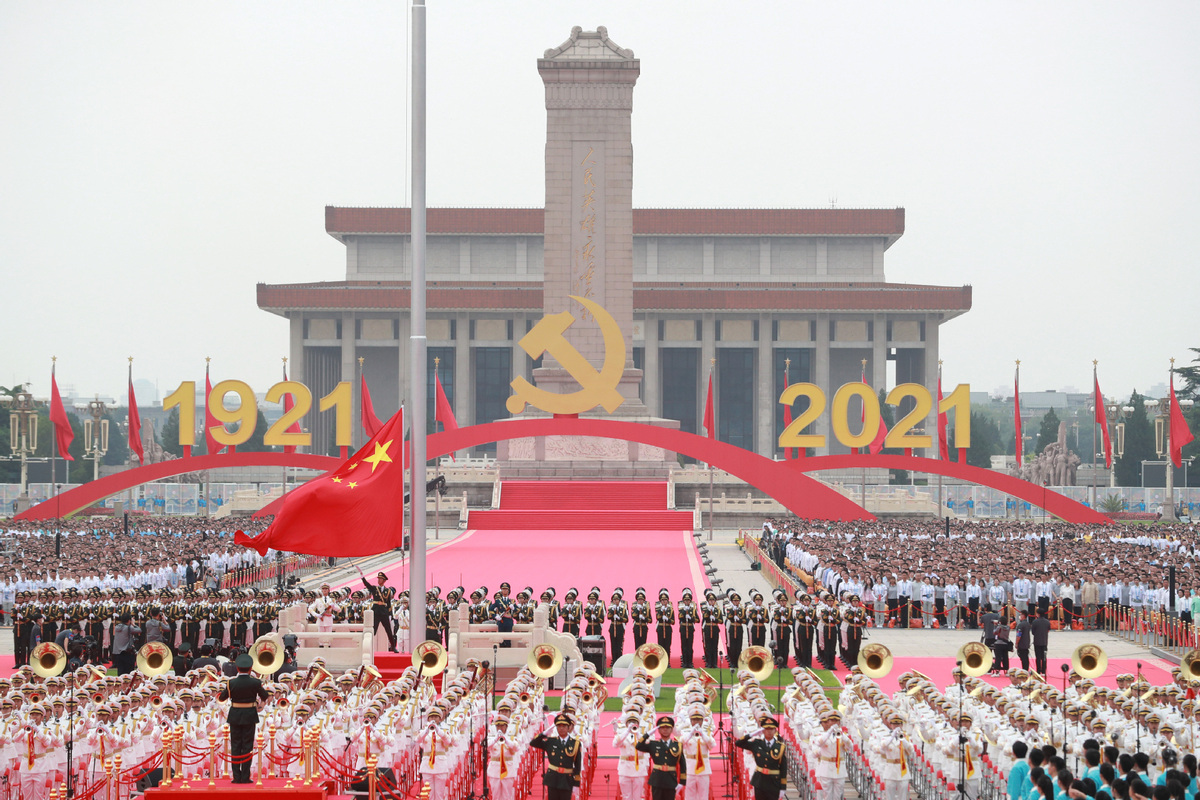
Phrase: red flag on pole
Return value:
(710, 415)
(943, 445)
(876, 445)
(135, 421)
(1101, 418)
(370, 423)
(63, 435)
(442, 412)
(210, 443)
(351, 511)
(1017, 414)
(787, 410)
(288, 404)
(1181, 434)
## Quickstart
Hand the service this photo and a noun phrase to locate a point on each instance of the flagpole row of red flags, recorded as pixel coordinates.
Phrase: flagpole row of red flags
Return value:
(1180, 434)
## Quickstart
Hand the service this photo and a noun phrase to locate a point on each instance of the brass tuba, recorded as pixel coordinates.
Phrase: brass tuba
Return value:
(758, 661)
(267, 653)
(433, 657)
(976, 658)
(154, 658)
(48, 660)
(875, 660)
(1190, 663)
(1090, 661)
(316, 676)
(653, 658)
(545, 660)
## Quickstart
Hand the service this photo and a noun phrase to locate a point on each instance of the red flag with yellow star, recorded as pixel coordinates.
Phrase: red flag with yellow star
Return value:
(355, 510)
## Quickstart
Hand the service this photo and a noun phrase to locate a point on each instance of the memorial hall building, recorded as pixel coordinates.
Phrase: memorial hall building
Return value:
(742, 292)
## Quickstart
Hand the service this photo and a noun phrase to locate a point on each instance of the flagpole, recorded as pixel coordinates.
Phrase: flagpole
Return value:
(54, 457)
(283, 491)
(437, 496)
(417, 366)
(361, 375)
(787, 363)
(940, 442)
(1096, 416)
(1169, 509)
(863, 494)
(711, 369)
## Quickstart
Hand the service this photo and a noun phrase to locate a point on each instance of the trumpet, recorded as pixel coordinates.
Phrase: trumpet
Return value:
(157, 701)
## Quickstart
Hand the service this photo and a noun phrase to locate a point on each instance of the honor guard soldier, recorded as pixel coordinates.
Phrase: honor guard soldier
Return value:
(664, 619)
(551, 608)
(523, 610)
(478, 611)
(564, 759)
(735, 617)
(689, 615)
(757, 618)
(781, 622)
(502, 611)
(433, 612)
(244, 693)
(711, 617)
(571, 612)
(594, 614)
(805, 618)
(855, 619)
(381, 606)
(770, 761)
(639, 615)
(667, 766)
(453, 601)
(618, 616)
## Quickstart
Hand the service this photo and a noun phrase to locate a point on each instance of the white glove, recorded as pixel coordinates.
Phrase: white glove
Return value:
(783, 795)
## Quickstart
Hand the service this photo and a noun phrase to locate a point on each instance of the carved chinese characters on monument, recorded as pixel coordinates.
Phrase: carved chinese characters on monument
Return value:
(587, 223)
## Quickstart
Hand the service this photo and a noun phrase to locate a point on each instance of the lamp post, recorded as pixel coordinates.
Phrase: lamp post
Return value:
(22, 416)
(95, 434)
(1162, 446)
(1116, 416)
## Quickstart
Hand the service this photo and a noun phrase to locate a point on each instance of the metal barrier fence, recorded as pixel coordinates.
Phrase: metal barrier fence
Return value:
(1161, 629)
(270, 573)
(772, 572)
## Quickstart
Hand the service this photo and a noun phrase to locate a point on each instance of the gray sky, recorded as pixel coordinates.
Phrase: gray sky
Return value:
(159, 159)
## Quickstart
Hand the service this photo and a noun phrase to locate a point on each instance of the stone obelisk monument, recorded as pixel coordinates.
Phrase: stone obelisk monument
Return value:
(589, 198)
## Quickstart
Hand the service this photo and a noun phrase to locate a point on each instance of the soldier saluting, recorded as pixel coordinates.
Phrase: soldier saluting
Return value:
(668, 770)
(770, 762)
(564, 757)
(381, 606)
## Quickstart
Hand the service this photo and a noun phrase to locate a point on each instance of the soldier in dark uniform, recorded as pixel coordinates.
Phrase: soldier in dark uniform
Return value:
(244, 693)
(664, 621)
(502, 611)
(770, 762)
(453, 598)
(433, 613)
(523, 610)
(639, 615)
(564, 759)
(856, 619)
(22, 626)
(735, 616)
(571, 612)
(551, 608)
(189, 627)
(594, 614)
(618, 615)
(781, 621)
(757, 618)
(806, 624)
(381, 606)
(478, 610)
(829, 618)
(689, 615)
(668, 769)
(711, 616)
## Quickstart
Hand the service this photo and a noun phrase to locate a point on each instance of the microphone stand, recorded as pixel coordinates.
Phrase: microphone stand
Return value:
(721, 728)
(487, 746)
(1063, 708)
(71, 740)
(1137, 715)
(962, 737)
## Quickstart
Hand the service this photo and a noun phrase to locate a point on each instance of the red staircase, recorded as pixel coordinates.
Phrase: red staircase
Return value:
(582, 505)
(392, 665)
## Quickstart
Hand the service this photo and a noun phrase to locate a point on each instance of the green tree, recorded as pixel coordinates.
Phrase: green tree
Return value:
(986, 441)
(1048, 432)
(255, 443)
(170, 434)
(1191, 377)
(118, 437)
(1139, 443)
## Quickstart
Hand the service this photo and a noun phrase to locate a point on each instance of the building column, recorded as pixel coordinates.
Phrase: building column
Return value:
(930, 378)
(708, 352)
(764, 397)
(879, 352)
(403, 356)
(651, 372)
(821, 378)
(296, 346)
(462, 370)
(519, 356)
(350, 369)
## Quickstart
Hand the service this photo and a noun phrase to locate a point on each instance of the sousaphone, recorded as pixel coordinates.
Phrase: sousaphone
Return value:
(1190, 664)
(1090, 661)
(432, 656)
(545, 660)
(154, 658)
(267, 653)
(875, 660)
(976, 658)
(48, 660)
(757, 660)
(653, 658)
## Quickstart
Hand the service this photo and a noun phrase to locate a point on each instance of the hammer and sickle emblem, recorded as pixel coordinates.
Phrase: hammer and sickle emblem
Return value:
(598, 388)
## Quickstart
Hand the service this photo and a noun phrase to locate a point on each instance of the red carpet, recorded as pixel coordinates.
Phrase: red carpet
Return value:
(582, 505)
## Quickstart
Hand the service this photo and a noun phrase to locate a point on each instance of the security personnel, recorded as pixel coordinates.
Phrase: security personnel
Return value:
(381, 606)
(770, 761)
(564, 759)
(689, 615)
(664, 619)
(711, 616)
(244, 693)
(618, 615)
(639, 615)
(668, 769)
(571, 612)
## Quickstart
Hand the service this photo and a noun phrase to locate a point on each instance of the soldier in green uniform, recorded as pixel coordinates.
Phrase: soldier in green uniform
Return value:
(781, 621)
(551, 608)
(244, 693)
(618, 616)
(770, 762)
(735, 618)
(381, 606)
(806, 625)
(664, 620)
(668, 770)
(689, 615)
(712, 615)
(757, 617)
(593, 614)
(639, 615)
(571, 612)
(479, 610)
(564, 759)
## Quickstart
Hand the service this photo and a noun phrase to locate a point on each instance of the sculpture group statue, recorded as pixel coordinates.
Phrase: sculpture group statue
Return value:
(1054, 466)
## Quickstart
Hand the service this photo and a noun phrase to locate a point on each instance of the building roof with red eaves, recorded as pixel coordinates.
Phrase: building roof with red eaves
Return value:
(661, 297)
(886, 222)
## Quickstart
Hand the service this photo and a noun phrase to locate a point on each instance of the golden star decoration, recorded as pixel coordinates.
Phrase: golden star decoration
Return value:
(380, 455)
(336, 479)
(353, 484)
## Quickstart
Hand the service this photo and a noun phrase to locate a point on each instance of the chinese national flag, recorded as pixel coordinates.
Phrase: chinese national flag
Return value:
(1102, 420)
(1181, 434)
(62, 426)
(355, 510)
(135, 424)
(370, 422)
(710, 416)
